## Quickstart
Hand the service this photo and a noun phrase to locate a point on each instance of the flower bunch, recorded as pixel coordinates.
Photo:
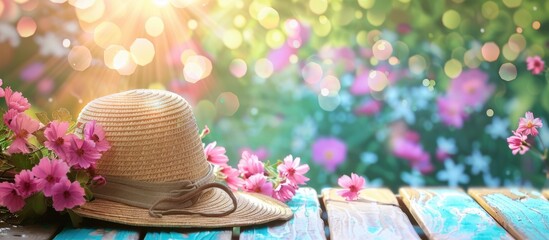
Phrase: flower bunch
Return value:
(523, 139)
(279, 180)
(51, 166)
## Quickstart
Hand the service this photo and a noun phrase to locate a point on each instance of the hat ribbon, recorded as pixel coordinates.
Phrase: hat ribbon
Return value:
(162, 198)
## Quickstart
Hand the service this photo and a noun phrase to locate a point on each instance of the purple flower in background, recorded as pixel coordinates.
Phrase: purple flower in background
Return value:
(329, 152)
(451, 111)
(280, 57)
(360, 84)
(369, 108)
(471, 88)
(32, 72)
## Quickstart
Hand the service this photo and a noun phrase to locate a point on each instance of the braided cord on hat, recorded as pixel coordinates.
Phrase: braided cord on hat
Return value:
(162, 198)
(188, 196)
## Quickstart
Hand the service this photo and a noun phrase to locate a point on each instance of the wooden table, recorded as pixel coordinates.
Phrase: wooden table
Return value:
(415, 213)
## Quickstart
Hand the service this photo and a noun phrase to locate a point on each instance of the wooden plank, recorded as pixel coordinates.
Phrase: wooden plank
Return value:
(97, 234)
(524, 213)
(34, 231)
(306, 223)
(221, 234)
(375, 215)
(446, 213)
(545, 193)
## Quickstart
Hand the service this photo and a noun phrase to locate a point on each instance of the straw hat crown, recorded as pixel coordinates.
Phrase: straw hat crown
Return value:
(153, 136)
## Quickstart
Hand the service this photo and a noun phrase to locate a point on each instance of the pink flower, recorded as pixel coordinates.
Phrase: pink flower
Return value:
(26, 184)
(232, 177)
(329, 152)
(250, 165)
(98, 181)
(412, 151)
(216, 155)
(67, 195)
(442, 155)
(82, 153)
(258, 183)
(451, 111)
(15, 100)
(294, 172)
(49, 172)
(57, 138)
(471, 88)
(528, 125)
(517, 143)
(360, 84)
(352, 185)
(535, 64)
(9, 115)
(23, 126)
(369, 108)
(94, 132)
(260, 152)
(285, 191)
(9, 197)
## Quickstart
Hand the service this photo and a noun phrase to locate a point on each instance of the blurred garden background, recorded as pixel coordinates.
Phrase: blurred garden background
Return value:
(403, 92)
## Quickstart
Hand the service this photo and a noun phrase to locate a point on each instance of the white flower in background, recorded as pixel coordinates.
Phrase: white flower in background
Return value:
(9, 34)
(376, 182)
(368, 158)
(306, 130)
(479, 163)
(51, 45)
(422, 97)
(453, 173)
(447, 145)
(499, 128)
(490, 181)
(413, 179)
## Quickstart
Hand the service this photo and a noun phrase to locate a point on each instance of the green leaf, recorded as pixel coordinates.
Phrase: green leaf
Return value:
(21, 162)
(62, 114)
(75, 219)
(43, 117)
(38, 203)
(82, 177)
(89, 193)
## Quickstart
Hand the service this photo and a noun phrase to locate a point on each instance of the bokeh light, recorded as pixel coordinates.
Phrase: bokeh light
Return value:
(490, 51)
(80, 58)
(107, 33)
(382, 50)
(264, 68)
(154, 26)
(142, 51)
(318, 6)
(232, 38)
(417, 64)
(451, 19)
(26, 27)
(377, 80)
(508, 71)
(238, 67)
(227, 104)
(312, 73)
(196, 68)
(452, 68)
(268, 18)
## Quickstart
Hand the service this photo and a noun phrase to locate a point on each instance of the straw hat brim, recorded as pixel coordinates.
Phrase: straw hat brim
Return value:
(252, 209)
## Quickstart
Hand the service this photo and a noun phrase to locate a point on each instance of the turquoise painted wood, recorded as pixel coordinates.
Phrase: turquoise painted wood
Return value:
(97, 234)
(523, 212)
(451, 214)
(306, 223)
(198, 235)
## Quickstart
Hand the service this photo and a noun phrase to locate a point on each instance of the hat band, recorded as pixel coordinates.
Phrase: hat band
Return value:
(162, 198)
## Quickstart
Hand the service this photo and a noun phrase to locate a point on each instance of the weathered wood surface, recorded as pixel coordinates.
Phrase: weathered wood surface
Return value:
(450, 214)
(524, 213)
(375, 215)
(306, 223)
(35, 231)
(97, 234)
(205, 234)
(545, 193)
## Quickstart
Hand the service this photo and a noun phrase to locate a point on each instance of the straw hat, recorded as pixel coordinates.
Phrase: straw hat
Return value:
(155, 147)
